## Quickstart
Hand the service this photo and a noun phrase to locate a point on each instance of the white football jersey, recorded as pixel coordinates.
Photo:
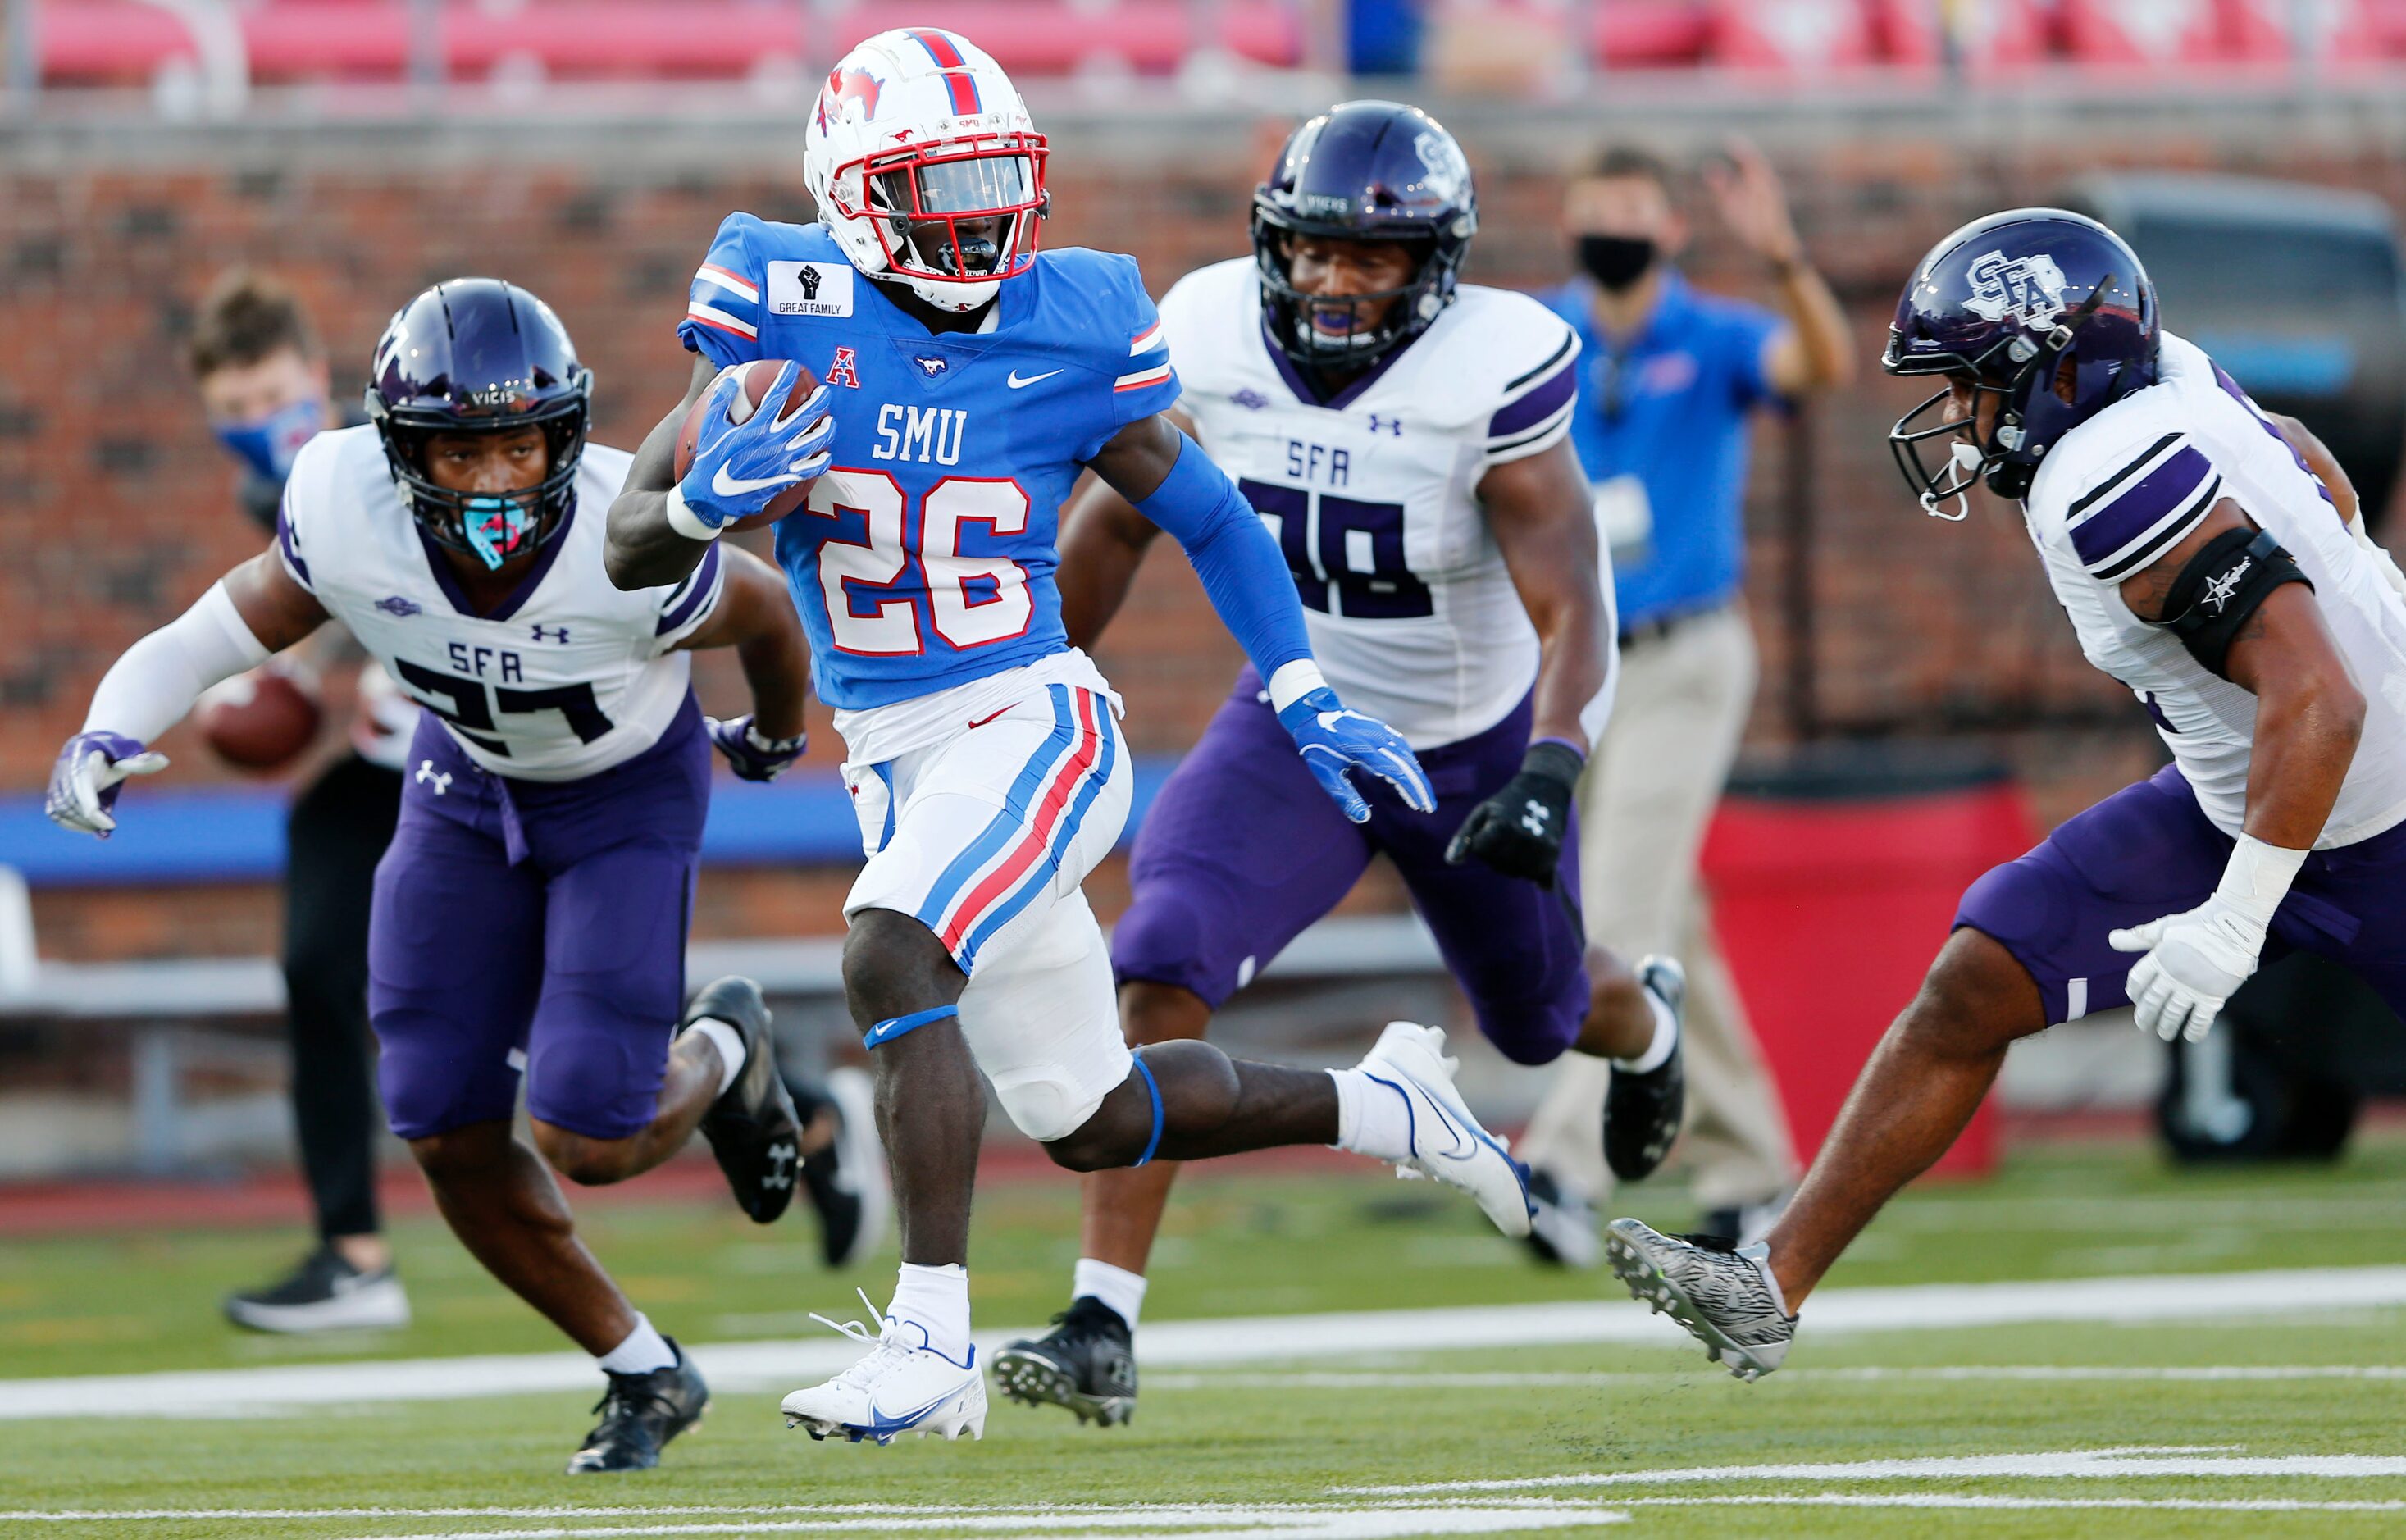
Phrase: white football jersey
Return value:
(570, 676)
(2125, 486)
(1373, 497)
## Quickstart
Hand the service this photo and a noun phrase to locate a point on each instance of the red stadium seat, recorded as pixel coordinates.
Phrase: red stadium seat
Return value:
(1996, 36)
(1804, 37)
(2338, 34)
(2159, 32)
(1650, 34)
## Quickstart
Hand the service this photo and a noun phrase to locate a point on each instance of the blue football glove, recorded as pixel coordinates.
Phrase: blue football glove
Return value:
(740, 467)
(84, 781)
(1333, 740)
(753, 756)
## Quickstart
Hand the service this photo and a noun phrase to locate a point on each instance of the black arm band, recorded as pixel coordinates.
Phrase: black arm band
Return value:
(2221, 587)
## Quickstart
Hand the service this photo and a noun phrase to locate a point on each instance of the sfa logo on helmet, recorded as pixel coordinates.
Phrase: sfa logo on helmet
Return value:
(844, 87)
(2030, 288)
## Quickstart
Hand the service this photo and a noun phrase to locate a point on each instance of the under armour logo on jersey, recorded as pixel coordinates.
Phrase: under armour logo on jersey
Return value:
(428, 775)
(934, 366)
(844, 371)
(2218, 590)
(398, 607)
(2028, 288)
(550, 633)
(1392, 426)
(1251, 399)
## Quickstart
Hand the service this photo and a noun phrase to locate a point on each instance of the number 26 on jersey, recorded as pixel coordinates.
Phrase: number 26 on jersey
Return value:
(973, 601)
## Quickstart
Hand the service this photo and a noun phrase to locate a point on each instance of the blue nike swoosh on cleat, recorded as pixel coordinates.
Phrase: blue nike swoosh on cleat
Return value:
(880, 1424)
(1468, 1147)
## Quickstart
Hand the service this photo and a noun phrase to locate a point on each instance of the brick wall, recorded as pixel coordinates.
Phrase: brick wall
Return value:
(116, 512)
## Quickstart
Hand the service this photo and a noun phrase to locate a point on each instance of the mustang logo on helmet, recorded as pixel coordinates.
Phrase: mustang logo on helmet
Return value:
(845, 85)
(2028, 288)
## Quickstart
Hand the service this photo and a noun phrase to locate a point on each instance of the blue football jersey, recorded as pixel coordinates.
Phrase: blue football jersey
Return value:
(925, 557)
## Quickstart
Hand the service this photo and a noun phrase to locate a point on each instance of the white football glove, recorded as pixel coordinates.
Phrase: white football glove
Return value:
(84, 781)
(2193, 962)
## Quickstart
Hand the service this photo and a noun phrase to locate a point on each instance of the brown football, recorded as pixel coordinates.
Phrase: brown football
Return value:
(259, 721)
(756, 378)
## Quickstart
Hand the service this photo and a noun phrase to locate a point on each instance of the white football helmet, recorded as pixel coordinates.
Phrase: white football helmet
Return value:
(918, 132)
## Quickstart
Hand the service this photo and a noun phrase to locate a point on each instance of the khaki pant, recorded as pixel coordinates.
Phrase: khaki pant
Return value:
(1648, 792)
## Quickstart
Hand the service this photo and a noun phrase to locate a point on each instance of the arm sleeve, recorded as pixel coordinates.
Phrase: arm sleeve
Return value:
(685, 607)
(1534, 412)
(722, 312)
(150, 688)
(2141, 505)
(1241, 569)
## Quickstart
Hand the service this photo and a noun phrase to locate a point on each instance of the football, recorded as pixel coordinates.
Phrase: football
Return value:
(756, 378)
(259, 721)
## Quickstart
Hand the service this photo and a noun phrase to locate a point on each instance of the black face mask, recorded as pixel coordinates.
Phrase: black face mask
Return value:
(1616, 261)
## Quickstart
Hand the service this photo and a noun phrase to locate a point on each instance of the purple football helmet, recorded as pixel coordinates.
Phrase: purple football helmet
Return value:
(2045, 309)
(471, 356)
(1364, 171)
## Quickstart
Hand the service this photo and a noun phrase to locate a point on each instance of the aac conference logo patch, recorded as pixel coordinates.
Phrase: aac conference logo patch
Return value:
(810, 289)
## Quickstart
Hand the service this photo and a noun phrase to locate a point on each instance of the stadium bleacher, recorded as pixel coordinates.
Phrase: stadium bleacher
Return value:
(126, 43)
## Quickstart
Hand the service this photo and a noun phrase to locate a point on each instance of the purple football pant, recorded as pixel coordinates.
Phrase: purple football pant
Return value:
(1241, 849)
(534, 926)
(2149, 851)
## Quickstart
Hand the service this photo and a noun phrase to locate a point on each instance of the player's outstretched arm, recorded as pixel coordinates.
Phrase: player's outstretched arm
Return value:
(1103, 541)
(255, 610)
(2321, 461)
(2242, 608)
(1542, 513)
(1175, 486)
(757, 618)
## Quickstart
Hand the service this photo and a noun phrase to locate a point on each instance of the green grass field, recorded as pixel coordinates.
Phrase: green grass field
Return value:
(1274, 1449)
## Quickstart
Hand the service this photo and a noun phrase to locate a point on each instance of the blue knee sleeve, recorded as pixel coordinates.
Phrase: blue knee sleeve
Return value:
(894, 1027)
(1153, 1089)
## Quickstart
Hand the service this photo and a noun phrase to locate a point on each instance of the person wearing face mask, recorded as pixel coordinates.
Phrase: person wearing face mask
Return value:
(1671, 377)
(263, 385)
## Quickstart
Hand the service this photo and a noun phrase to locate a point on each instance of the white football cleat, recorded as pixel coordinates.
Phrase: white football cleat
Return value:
(1448, 1143)
(903, 1386)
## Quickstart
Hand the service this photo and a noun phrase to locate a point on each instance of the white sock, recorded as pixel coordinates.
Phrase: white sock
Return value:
(729, 1044)
(643, 1350)
(1116, 1287)
(1372, 1118)
(1666, 1038)
(937, 1301)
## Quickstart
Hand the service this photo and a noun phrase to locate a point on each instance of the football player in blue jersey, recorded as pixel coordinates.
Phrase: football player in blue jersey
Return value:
(965, 384)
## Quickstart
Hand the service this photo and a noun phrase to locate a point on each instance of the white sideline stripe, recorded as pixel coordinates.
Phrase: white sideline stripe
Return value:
(1347, 1379)
(1189, 1344)
(1282, 1522)
(2148, 1461)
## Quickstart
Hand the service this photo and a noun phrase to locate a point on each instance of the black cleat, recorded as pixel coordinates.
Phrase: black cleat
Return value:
(1642, 1112)
(640, 1414)
(323, 1293)
(846, 1182)
(752, 1129)
(1085, 1363)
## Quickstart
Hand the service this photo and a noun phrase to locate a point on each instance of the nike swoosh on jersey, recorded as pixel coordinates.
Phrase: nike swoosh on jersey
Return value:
(1018, 383)
(726, 486)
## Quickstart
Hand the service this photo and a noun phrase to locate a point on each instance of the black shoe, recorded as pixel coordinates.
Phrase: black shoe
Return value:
(752, 1129)
(323, 1293)
(640, 1414)
(846, 1182)
(1642, 1112)
(1085, 1363)
(1563, 1230)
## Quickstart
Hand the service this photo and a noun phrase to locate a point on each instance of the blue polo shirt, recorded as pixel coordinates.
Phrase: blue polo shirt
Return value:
(1660, 427)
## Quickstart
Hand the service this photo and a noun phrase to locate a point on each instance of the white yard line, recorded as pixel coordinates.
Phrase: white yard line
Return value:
(1371, 1379)
(2069, 1465)
(1141, 1522)
(1192, 1344)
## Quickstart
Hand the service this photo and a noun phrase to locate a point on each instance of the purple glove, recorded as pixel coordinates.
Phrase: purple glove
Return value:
(753, 756)
(85, 780)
